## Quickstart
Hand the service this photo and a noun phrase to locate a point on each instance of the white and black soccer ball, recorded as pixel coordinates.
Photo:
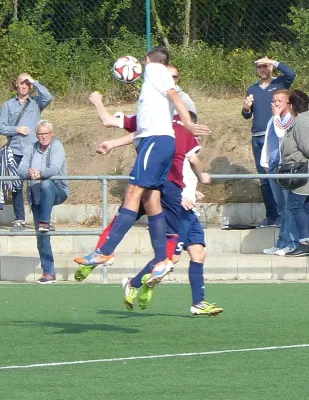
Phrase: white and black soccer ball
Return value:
(127, 69)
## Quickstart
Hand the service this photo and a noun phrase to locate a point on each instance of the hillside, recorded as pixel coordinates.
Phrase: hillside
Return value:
(227, 150)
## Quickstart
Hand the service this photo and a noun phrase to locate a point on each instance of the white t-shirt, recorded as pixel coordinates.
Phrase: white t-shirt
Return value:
(155, 110)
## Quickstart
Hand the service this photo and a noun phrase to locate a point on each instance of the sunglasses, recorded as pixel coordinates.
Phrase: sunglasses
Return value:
(175, 76)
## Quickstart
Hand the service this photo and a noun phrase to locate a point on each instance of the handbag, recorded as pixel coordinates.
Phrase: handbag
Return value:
(293, 168)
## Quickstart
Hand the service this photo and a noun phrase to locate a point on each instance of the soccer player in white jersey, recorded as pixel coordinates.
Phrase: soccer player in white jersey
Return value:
(155, 144)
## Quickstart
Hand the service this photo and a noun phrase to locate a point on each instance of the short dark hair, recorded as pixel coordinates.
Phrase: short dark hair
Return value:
(193, 117)
(159, 55)
(299, 101)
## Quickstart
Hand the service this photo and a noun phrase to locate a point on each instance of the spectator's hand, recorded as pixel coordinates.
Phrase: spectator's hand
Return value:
(266, 170)
(205, 178)
(34, 173)
(187, 204)
(248, 102)
(265, 60)
(23, 130)
(198, 130)
(96, 98)
(199, 195)
(26, 77)
(276, 109)
(105, 147)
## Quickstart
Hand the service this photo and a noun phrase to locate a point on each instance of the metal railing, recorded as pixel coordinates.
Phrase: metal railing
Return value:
(105, 178)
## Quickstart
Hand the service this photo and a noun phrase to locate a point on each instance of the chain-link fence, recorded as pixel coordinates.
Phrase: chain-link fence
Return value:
(71, 45)
(229, 23)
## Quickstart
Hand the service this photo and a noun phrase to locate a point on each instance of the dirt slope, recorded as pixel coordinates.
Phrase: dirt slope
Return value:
(228, 150)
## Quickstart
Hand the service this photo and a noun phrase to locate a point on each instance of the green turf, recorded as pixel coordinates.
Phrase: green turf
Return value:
(58, 323)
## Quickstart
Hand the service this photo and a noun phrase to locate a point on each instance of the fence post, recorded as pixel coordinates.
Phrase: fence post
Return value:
(104, 221)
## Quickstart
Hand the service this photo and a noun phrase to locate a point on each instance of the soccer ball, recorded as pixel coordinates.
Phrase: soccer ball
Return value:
(127, 69)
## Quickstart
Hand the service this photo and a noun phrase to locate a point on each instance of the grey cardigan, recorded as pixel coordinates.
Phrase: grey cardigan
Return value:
(295, 145)
(54, 163)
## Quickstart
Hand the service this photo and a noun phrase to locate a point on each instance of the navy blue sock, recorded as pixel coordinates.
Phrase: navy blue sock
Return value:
(137, 280)
(123, 223)
(196, 278)
(157, 231)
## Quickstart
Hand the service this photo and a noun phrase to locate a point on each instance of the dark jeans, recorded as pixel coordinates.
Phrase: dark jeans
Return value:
(267, 194)
(18, 197)
(299, 207)
(50, 195)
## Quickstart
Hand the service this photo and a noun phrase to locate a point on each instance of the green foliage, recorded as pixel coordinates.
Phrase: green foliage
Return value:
(72, 68)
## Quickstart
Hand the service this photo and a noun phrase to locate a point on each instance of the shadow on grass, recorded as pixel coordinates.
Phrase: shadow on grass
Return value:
(73, 328)
(130, 314)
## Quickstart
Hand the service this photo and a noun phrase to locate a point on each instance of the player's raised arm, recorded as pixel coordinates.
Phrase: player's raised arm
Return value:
(108, 120)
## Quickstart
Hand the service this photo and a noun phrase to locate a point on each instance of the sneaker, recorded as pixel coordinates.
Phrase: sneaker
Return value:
(284, 251)
(47, 278)
(271, 251)
(52, 227)
(301, 251)
(83, 271)
(130, 293)
(267, 223)
(44, 227)
(95, 258)
(159, 271)
(18, 226)
(145, 297)
(204, 308)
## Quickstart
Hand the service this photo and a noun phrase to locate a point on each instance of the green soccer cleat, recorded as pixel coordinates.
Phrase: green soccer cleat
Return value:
(204, 308)
(130, 294)
(145, 297)
(83, 271)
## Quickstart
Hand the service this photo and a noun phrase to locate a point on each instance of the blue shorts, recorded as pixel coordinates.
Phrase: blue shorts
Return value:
(153, 162)
(191, 231)
(171, 204)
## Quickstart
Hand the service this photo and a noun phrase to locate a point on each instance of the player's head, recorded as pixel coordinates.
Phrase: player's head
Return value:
(174, 72)
(158, 55)
(44, 132)
(263, 69)
(299, 102)
(281, 99)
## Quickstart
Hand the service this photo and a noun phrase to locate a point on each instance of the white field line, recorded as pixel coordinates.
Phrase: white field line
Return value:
(133, 358)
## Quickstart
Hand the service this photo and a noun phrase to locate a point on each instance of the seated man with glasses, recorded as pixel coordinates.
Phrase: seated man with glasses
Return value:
(258, 105)
(42, 160)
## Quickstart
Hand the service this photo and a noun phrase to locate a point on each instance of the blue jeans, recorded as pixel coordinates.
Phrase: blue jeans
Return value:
(300, 209)
(50, 195)
(267, 194)
(288, 234)
(17, 197)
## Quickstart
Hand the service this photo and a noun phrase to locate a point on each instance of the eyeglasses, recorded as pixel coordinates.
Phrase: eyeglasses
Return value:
(175, 76)
(40, 134)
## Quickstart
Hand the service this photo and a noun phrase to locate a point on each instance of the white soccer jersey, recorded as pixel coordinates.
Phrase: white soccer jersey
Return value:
(155, 110)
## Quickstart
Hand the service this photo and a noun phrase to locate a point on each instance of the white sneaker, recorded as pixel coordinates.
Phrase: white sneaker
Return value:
(271, 251)
(284, 251)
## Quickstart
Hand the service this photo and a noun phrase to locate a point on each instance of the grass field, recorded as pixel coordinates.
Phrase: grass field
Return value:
(223, 358)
